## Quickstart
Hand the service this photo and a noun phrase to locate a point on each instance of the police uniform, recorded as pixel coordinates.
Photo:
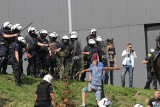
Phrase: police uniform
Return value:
(150, 74)
(33, 65)
(87, 58)
(4, 44)
(76, 58)
(21, 47)
(52, 61)
(43, 54)
(43, 94)
(13, 61)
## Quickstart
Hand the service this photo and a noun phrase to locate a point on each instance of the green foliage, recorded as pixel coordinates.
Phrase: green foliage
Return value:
(23, 96)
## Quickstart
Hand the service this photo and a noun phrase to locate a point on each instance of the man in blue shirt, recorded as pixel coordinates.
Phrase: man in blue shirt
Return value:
(96, 69)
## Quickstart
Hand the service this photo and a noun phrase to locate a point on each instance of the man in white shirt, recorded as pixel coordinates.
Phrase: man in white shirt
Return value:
(128, 64)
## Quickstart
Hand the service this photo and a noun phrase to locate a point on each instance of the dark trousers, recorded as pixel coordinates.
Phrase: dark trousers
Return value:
(3, 64)
(43, 104)
(16, 70)
(42, 59)
(151, 77)
(52, 65)
(33, 65)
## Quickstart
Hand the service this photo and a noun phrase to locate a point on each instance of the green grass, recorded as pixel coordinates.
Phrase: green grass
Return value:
(23, 96)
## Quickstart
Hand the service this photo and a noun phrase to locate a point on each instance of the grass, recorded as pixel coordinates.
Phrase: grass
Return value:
(23, 96)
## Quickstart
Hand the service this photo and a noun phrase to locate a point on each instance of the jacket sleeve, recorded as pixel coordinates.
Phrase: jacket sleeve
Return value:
(124, 53)
(134, 55)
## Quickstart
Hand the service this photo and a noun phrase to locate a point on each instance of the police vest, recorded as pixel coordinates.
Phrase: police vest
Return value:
(43, 91)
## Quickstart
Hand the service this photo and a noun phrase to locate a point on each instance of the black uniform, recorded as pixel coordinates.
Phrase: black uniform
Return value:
(150, 74)
(76, 58)
(22, 46)
(14, 47)
(67, 58)
(43, 55)
(43, 94)
(4, 50)
(52, 61)
(33, 65)
(87, 58)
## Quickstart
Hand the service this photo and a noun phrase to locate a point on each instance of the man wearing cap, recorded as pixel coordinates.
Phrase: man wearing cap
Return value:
(150, 73)
(96, 69)
(92, 35)
(44, 94)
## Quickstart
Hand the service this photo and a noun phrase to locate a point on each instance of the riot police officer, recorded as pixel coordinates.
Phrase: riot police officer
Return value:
(32, 56)
(92, 35)
(54, 48)
(42, 51)
(22, 48)
(88, 51)
(66, 49)
(150, 73)
(13, 57)
(99, 46)
(5, 35)
(44, 94)
(76, 56)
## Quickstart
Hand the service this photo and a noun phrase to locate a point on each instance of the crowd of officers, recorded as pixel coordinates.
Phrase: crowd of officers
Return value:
(43, 51)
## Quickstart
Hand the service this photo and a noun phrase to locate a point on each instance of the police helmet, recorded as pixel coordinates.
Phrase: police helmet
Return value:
(99, 39)
(105, 102)
(91, 41)
(53, 35)
(21, 39)
(48, 78)
(74, 33)
(7, 26)
(74, 36)
(93, 30)
(151, 50)
(65, 37)
(138, 105)
(16, 28)
(31, 29)
(43, 31)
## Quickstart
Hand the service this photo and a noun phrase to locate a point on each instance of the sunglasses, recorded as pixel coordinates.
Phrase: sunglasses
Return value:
(130, 47)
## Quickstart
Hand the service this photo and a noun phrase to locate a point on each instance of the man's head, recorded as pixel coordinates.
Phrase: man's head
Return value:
(48, 78)
(53, 36)
(43, 33)
(93, 32)
(129, 46)
(110, 45)
(65, 39)
(157, 94)
(94, 59)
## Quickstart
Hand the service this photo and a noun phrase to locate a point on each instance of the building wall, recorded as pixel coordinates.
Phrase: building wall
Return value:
(122, 20)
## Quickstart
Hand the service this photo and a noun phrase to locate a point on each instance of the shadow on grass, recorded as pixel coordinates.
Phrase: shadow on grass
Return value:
(3, 101)
(29, 80)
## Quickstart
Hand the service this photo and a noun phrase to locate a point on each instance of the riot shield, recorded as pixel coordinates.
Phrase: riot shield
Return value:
(76, 58)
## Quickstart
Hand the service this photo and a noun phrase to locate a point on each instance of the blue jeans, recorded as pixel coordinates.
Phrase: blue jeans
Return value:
(92, 88)
(126, 68)
(109, 75)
